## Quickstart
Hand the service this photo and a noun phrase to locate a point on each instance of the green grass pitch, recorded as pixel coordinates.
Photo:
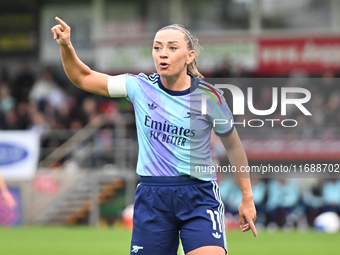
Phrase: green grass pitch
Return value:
(116, 241)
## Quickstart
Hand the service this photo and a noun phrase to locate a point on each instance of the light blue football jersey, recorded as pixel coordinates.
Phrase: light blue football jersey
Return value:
(173, 134)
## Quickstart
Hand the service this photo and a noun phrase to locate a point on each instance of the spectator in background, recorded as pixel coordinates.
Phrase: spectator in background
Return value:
(7, 102)
(111, 111)
(2, 121)
(313, 201)
(223, 71)
(89, 110)
(3, 75)
(22, 84)
(23, 114)
(283, 199)
(238, 71)
(331, 109)
(329, 85)
(39, 123)
(318, 116)
(63, 117)
(10, 120)
(331, 195)
(103, 142)
(231, 195)
(45, 90)
(259, 197)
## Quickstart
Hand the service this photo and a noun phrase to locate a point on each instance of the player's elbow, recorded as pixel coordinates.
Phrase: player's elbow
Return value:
(94, 82)
(80, 80)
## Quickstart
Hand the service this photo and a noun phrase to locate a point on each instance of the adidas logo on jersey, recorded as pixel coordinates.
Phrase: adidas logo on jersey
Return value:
(152, 106)
(216, 235)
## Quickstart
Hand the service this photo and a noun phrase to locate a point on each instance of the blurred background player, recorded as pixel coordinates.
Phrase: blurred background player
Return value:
(5, 196)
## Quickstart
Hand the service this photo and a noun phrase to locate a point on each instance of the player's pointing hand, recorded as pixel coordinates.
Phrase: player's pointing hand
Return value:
(248, 212)
(62, 32)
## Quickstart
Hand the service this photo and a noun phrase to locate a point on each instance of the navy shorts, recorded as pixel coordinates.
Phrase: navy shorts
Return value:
(169, 208)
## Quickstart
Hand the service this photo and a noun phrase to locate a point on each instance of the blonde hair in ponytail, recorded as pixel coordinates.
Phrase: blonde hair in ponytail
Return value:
(193, 44)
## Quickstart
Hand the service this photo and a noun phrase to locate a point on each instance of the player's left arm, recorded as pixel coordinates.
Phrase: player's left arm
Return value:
(238, 158)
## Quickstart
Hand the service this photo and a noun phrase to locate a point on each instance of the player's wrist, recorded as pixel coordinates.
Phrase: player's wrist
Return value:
(66, 46)
(246, 198)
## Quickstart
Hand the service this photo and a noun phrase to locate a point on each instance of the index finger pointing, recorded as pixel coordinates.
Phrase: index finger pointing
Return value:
(61, 22)
(253, 228)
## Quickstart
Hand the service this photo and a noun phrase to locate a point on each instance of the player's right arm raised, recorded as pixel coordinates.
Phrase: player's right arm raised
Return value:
(79, 73)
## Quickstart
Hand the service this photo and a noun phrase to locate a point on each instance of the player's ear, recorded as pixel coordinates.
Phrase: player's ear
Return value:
(191, 57)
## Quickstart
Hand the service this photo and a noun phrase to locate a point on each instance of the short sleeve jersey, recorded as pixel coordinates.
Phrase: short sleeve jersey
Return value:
(174, 127)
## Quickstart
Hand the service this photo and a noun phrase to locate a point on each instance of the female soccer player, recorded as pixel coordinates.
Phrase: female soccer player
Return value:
(177, 196)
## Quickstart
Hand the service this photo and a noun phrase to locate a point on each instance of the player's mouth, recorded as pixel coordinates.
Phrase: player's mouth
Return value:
(163, 65)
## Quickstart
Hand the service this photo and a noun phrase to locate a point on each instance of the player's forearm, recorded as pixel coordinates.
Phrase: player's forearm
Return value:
(238, 158)
(74, 68)
(245, 186)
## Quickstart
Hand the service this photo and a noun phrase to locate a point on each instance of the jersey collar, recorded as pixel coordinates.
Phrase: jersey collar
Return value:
(194, 85)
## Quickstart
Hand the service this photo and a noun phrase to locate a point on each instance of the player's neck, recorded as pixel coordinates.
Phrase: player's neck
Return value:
(177, 83)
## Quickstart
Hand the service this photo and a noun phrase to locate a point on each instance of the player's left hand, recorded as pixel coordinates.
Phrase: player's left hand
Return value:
(248, 212)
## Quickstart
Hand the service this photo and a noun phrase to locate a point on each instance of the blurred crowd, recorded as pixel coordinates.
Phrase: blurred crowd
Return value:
(285, 203)
(47, 102)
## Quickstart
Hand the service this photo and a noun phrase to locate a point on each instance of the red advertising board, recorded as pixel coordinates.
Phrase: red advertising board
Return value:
(310, 54)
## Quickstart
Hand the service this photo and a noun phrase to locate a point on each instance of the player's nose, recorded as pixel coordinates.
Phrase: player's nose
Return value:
(164, 53)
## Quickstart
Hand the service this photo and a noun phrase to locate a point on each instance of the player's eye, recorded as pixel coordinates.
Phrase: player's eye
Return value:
(156, 48)
(173, 48)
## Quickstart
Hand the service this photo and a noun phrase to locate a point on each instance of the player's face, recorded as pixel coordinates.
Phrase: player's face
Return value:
(170, 53)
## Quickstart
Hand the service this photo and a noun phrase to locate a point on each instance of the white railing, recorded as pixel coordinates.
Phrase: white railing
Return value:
(80, 146)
